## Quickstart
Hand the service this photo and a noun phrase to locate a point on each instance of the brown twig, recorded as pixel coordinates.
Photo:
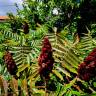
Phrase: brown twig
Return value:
(75, 86)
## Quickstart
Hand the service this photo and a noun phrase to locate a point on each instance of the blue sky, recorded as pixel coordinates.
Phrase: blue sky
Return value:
(8, 6)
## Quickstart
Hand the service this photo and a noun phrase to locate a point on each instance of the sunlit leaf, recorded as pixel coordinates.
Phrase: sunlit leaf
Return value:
(57, 74)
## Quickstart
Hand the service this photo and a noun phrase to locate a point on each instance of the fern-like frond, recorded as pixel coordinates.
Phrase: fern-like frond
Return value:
(10, 35)
(64, 53)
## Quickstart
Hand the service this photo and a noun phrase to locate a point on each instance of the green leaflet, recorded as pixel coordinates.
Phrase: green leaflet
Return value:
(63, 71)
(57, 74)
(67, 86)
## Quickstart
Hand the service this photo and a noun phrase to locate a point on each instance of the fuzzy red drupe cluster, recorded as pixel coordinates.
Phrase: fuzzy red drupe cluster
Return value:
(11, 65)
(87, 69)
(26, 28)
(45, 59)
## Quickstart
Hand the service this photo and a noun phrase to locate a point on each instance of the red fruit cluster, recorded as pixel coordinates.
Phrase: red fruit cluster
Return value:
(26, 28)
(45, 59)
(87, 69)
(11, 66)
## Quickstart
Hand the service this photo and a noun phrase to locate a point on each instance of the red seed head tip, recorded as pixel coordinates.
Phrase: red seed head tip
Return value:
(89, 59)
(46, 40)
(93, 53)
(94, 49)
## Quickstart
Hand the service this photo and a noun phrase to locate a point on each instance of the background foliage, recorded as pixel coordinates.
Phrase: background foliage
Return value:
(71, 33)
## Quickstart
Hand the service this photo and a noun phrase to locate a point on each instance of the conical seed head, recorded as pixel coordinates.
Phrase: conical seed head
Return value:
(26, 28)
(11, 65)
(45, 59)
(87, 69)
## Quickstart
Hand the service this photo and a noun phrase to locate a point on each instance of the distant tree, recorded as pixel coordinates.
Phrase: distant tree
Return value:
(79, 14)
